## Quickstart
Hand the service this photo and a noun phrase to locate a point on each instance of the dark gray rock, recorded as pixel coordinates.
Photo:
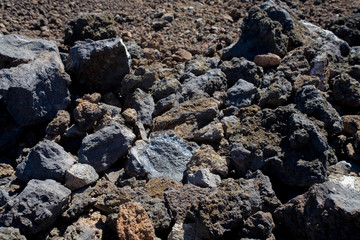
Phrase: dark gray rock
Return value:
(37, 207)
(10, 233)
(277, 93)
(204, 85)
(347, 29)
(167, 103)
(212, 132)
(89, 26)
(165, 155)
(327, 211)
(135, 51)
(294, 63)
(165, 87)
(17, 49)
(242, 94)
(354, 56)
(99, 66)
(197, 66)
(144, 105)
(104, 147)
(310, 101)
(227, 208)
(346, 90)
(240, 68)
(34, 92)
(47, 160)
(142, 78)
(260, 35)
(259, 226)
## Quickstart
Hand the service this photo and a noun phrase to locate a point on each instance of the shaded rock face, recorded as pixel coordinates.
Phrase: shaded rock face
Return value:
(347, 29)
(285, 144)
(98, 65)
(89, 26)
(34, 92)
(346, 90)
(36, 207)
(166, 155)
(104, 147)
(341, 204)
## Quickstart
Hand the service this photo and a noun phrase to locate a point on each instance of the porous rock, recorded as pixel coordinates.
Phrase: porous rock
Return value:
(11, 233)
(259, 226)
(86, 114)
(156, 187)
(104, 147)
(241, 94)
(346, 90)
(47, 160)
(58, 125)
(37, 207)
(98, 65)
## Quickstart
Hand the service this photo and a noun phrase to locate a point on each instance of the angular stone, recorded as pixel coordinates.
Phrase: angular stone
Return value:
(130, 115)
(144, 105)
(259, 226)
(212, 132)
(241, 94)
(165, 87)
(267, 60)
(17, 49)
(165, 104)
(134, 223)
(58, 125)
(80, 175)
(204, 178)
(277, 93)
(86, 114)
(37, 207)
(166, 155)
(156, 187)
(47, 160)
(104, 147)
(36, 91)
(99, 66)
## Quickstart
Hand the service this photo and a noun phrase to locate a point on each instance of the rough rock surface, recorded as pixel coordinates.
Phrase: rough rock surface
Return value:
(36, 207)
(104, 147)
(98, 65)
(11, 233)
(134, 223)
(47, 160)
(147, 159)
(80, 175)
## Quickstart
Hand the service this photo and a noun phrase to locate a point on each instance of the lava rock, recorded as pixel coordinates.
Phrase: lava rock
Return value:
(241, 94)
(86, 114)
(167, 103)
(341, 205)
(99, 65)
(37, 207)
(80, 175)
(11, 233)
(165, 87)
(204, 178)
(156, 187)
(346, 90)
(104, 147)
(147, 159)
(347, 29)
(212, 132)
(47, 160)
(277, 93)
(259, 226)
(36, 91)
(58, 125)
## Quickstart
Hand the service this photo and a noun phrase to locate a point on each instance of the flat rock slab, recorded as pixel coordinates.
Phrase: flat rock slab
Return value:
(165, 155)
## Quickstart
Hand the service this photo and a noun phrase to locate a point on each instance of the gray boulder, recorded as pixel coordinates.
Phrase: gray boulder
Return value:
(17, 49)
(104, 147)
(241, 94)
(165, 155)
(80, 175)
(99, 66)
(307, 211)
(204, 178)
(34, 92)
(37, 207)
(47, 160)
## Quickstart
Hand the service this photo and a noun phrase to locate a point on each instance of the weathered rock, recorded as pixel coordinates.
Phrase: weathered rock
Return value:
(89, 26)
(302, 80)
(47, 160)
(260, 35)
(184, 201)
(37, 207)
(181, 231)
(110, 115)
(142, 78)
(134, 223)
(80, 175)
(198, 66)
(130, 115)
(277, 93)
(156, 187)
(267, 60)
(346, 29)
(204, 85)
(294, 64)
(241, 94)
(86, 114)
(259, 226)
(212, 132)
(36, 91)
(188, 116)
(98, 66)
(17, 49)
(144, 105)
(81, 202)
(284, 144)
(240, 68)
(345, 174)
(6, 170)
(206, 157)
(165, 104)
(225, 210)
(135, 51)
(165, 87)
(204, 178)
(104, 147)
(310, 101)
(307, 211)
(352, 128)
(346, 90)
(147, 159)
(58, 125)
(10, 233)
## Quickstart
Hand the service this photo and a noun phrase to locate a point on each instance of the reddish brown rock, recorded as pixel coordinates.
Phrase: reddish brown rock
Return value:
(130, 115)
(86, 114)
(267, 60)
(133, 223)
(6, 170)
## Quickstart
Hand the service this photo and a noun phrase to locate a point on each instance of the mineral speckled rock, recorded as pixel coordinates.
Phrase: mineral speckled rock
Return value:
(11, 233)
(166, 155)
(37, 207)
(47, 160)
(104, 147)
(99, 65)
(80, 175)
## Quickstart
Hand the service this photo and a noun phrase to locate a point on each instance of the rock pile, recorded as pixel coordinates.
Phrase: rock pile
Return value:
(261, 143)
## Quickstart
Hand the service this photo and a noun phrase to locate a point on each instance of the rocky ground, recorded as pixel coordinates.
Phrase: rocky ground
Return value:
(179, 119)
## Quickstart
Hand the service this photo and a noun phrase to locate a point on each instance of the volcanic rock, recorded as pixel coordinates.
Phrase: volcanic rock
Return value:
(80, 175)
